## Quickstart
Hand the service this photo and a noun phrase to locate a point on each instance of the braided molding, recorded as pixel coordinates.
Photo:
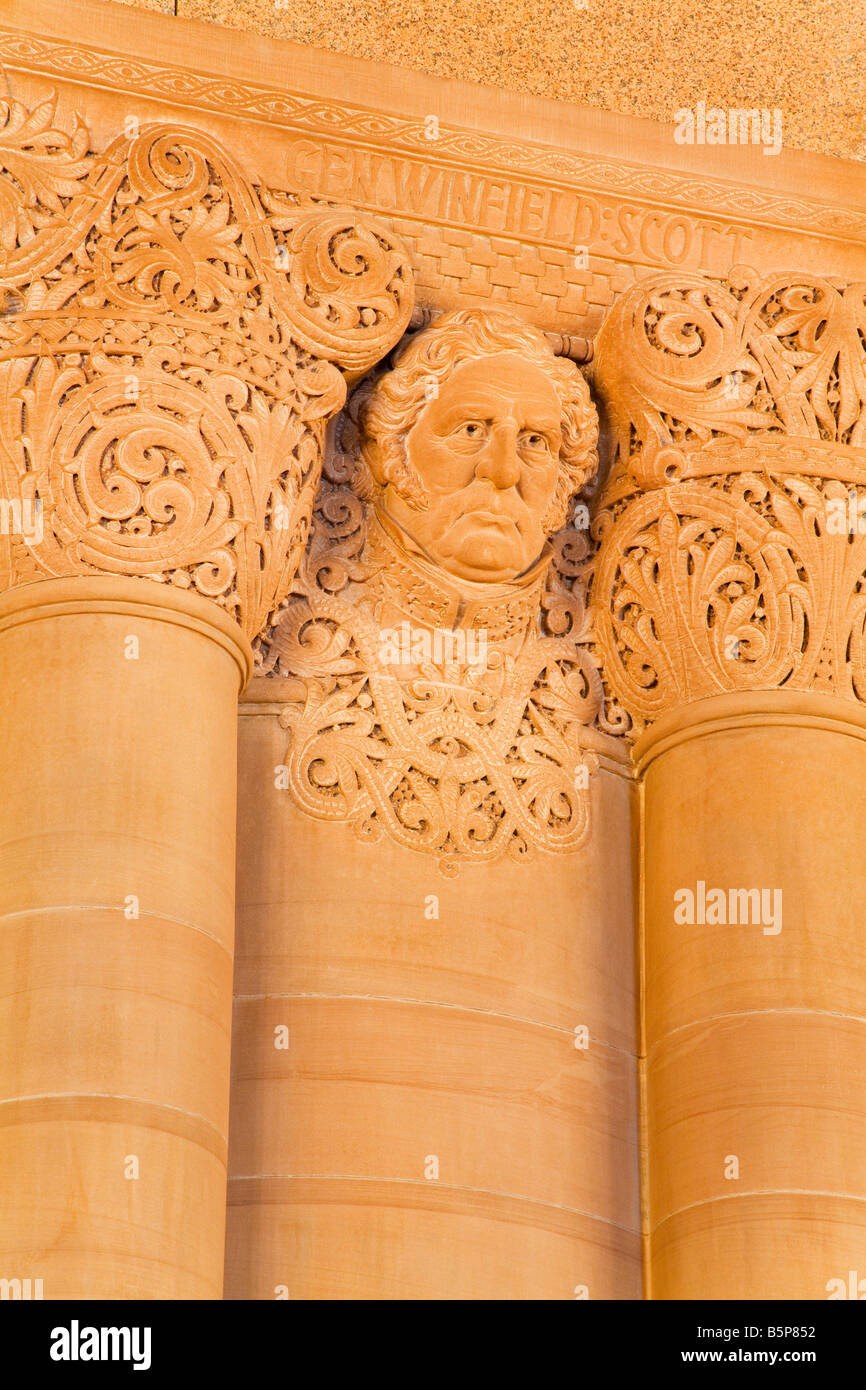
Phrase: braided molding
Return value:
(80, 62)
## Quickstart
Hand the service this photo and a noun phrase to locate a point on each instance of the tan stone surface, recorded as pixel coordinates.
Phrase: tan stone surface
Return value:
(754, 1040)
(807, 58)
(780, 1246)
(115, 1014)
(729, 605)
(561, 974)
(326, 1241)
(494, 1079)
(782, 1096)
(550, 209)
(170, 352)
(734, 411)
(819, 960)
(79, 1225)
(448, 940)
(411, 1037)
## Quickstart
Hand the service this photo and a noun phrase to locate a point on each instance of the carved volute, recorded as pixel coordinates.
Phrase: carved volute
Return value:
(172, 344)
(732, 529)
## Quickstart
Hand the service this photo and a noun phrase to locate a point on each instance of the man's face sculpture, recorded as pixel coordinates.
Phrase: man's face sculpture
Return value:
(486, 450)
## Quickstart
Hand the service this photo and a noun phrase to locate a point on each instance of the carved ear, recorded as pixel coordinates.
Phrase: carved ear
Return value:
(390, 468)
(376, 460)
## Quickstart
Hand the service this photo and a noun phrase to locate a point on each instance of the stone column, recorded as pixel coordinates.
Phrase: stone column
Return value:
(434, 1091)
(117, 830)
(173, 345)
(729, 602)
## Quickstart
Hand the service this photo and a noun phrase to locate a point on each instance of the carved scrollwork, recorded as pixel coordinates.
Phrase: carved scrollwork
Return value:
(465, 762)
(349, 285)
(169, 357)
(732, 531)
(683, 363)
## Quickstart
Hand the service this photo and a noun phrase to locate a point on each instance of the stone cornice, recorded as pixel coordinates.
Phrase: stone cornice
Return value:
(550, 208)
(295, 110)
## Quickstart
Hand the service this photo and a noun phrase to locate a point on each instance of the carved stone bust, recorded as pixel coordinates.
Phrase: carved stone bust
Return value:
(443, 675)
(474, 443)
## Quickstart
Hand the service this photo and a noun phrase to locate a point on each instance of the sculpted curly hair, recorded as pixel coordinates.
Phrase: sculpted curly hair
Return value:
(386, 406)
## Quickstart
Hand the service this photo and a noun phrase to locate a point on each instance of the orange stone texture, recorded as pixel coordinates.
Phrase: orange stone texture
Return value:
(432, 674)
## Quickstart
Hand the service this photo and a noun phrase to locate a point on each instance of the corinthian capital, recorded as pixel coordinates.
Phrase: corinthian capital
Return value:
(732, 528)
(172, 344)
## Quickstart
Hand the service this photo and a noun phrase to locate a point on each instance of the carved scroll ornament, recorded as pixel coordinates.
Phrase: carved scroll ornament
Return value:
(172, 344)
(732, 529)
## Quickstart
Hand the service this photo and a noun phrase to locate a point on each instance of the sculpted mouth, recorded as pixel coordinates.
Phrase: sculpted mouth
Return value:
(493, 519)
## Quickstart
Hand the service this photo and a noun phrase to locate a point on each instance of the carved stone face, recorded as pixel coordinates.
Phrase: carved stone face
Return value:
(486, 451)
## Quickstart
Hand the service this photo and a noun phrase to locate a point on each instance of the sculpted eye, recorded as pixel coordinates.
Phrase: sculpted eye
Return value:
(471, 429)
(534, 440)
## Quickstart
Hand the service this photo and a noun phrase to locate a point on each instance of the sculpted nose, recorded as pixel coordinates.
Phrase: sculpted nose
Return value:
(499, 462)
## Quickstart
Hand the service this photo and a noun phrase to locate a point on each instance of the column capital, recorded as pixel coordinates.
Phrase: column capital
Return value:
(732, 523)
(173, 340)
